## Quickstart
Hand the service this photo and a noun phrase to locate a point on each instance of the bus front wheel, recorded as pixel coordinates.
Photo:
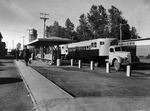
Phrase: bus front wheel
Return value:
(117, 65)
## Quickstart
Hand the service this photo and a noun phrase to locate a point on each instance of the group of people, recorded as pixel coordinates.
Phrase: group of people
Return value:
(27, 55)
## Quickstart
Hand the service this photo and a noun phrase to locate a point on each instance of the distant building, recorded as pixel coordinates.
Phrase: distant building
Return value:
(141, 46)
(2, 47)
(32, 35)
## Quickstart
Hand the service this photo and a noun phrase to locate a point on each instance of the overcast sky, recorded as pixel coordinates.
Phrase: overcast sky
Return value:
(17, 16)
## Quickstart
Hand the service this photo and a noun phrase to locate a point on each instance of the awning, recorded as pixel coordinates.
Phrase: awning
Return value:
(49, 41)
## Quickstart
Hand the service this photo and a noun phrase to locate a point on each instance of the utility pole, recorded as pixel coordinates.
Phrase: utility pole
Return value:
(44, 18)
(120, 27)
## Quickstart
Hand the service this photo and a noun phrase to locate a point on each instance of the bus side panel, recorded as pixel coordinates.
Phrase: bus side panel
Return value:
(88, 55)
(84, 55)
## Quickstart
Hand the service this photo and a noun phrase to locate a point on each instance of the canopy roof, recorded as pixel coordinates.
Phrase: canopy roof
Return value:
(49, 41)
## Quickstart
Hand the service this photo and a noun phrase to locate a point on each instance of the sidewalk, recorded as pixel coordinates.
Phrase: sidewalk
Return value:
(46, 96)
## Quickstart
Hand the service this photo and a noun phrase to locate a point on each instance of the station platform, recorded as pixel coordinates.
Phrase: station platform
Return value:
(47, 96)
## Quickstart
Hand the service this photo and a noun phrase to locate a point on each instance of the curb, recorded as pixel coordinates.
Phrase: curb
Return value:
(29, 91)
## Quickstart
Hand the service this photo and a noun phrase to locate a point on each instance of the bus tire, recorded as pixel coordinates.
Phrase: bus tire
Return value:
(117, 65)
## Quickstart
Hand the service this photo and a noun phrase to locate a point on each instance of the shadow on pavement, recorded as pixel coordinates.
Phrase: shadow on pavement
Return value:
(8, 80)
(143, 66)
(1, 64)
(6, 62)
(2, 69)
(140, 74)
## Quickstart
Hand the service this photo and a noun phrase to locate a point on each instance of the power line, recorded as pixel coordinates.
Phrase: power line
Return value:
(44, 18)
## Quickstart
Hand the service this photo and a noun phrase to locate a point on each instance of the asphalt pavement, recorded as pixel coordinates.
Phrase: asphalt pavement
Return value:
(13, 93)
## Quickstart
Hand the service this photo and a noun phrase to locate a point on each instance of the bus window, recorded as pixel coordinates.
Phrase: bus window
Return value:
(101, 43)
(111, 50)
(118, 49)
(95, 44)
(87, 48)
(92, 44)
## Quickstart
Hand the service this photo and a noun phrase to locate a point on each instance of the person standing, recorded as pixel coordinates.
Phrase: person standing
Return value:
(26, 55)
(17, 54)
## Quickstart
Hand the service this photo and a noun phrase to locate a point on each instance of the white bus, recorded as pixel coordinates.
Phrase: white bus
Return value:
(96, 50)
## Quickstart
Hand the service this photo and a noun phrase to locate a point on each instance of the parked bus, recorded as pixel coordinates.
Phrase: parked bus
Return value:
(96, 50)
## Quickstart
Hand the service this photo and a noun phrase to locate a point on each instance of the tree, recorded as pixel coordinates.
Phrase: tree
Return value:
(55, 30)
(1, 37)
(134, 34)
(18, 46)
(83, 30)
(69, 28)
(98, 20)
(117, 24)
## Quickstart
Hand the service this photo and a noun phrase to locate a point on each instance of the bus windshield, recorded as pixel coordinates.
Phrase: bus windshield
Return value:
(118, 49)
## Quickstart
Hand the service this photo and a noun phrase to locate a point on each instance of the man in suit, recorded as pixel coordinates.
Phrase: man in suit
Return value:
(26, 55)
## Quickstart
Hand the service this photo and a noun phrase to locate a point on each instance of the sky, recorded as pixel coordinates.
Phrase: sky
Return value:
(17, 16)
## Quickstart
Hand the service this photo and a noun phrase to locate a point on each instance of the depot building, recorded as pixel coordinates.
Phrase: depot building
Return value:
(141, 46)
(48, 48)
